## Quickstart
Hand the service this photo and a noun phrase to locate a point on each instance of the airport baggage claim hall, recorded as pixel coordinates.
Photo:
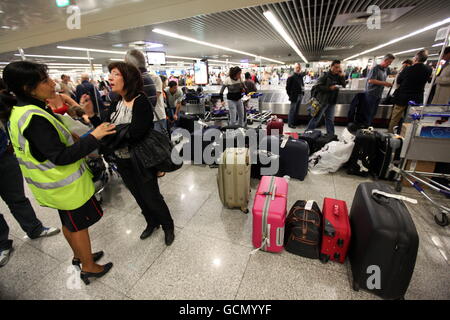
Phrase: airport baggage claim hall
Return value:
(224, 150)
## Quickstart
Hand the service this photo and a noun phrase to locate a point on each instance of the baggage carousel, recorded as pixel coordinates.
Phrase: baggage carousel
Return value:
(276, 100)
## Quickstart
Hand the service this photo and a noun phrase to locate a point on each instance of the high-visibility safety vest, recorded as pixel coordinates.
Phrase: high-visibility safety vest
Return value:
(65, 187)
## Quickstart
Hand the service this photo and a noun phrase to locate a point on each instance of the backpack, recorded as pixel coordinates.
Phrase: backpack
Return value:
(314, 91)
(363, 158)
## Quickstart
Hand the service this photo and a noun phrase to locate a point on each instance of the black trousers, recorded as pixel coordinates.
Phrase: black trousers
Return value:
(147, 195)
(12, 192)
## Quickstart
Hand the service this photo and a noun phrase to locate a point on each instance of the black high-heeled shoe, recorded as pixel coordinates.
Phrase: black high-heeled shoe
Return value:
(95, 256)
(169, 236)
(86, 275)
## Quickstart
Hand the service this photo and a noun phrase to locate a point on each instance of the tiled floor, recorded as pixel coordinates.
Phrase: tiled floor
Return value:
(210, 258)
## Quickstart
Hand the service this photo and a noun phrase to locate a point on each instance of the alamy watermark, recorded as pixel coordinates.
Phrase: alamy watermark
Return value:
(74, 19)
(374, 21)
(374, 280)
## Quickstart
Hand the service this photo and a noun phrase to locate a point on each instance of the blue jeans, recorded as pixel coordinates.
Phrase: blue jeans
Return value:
(159, 125)
(237, 116)
(328, 110)
(372, 109)
(293, 111)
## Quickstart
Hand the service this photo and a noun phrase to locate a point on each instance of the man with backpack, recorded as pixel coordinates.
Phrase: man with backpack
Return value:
(326, 91)
(295, 91)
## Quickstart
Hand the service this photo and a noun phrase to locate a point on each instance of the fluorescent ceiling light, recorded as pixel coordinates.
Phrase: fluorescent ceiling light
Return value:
(409, 35)
(433, 54)
(406, 51)
(70, 64)
(117, 59)
(177, 36)
(91, 50)
(183, 58)
(53, 57)
(279, 28)
(73, 67)
(438, 44)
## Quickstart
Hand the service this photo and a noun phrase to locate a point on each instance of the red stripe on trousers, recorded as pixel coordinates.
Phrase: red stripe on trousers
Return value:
(73, 223)
(95, 206)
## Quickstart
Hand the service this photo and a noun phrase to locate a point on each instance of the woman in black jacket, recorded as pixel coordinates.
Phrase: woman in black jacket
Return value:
(134, 108)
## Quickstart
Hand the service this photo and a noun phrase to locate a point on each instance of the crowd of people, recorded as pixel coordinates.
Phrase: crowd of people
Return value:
(37, 148)
(407, 84)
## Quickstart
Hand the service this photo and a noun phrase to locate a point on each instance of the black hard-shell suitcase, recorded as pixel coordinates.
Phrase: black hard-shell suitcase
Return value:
(294, 156)
(384, 242)
(311, 137)
(387, 152)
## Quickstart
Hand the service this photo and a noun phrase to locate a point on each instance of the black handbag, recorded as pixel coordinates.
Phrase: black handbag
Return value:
(154, 152)
(111, 143)
(389, 100)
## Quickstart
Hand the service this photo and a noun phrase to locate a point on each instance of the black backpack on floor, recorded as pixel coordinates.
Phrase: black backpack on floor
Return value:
(362, 160)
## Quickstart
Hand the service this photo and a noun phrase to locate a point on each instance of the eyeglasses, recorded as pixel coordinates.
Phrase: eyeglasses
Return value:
(115, 74)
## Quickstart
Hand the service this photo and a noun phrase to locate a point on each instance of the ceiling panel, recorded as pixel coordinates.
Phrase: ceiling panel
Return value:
(316, 26)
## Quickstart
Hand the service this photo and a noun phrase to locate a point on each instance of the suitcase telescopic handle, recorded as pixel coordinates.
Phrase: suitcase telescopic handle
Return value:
(383, 197)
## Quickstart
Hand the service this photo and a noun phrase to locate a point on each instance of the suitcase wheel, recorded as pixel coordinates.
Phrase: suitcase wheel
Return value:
(244, 210)
(443, 220)
(324, 258)
(355, 286)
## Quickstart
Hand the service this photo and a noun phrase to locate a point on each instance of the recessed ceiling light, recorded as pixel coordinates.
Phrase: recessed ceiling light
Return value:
(409, 35)
(91, 50)
(280, 29)
(406, 51)
(54, 57)
(6, 27)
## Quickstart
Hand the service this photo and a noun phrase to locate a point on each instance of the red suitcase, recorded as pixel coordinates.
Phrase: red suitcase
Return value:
(276, 125)
(294, 135)
(336, 231)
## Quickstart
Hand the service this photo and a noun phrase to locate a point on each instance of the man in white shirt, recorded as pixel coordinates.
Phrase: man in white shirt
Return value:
(174, 98)
(160, 110)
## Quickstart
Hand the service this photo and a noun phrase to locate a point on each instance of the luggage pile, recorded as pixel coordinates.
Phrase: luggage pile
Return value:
(379, 235)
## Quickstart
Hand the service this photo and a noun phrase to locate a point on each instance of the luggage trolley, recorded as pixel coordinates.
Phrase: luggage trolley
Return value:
(195, 105)
(426, 140)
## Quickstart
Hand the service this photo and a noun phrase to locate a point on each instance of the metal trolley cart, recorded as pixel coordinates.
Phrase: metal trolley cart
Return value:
(425, 141)
(195, 105)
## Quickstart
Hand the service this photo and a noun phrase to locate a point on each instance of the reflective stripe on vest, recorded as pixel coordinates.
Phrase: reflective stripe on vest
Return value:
(43, 167)
(24, 118)
(62, 183)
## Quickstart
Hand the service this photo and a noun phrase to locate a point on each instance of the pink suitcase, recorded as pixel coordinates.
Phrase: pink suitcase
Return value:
(269, 214)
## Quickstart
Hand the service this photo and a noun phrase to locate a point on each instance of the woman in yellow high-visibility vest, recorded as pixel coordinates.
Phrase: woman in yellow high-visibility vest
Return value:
(51, 161)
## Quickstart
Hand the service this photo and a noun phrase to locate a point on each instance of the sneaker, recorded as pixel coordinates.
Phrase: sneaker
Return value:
(48, 232)
(4, 256)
